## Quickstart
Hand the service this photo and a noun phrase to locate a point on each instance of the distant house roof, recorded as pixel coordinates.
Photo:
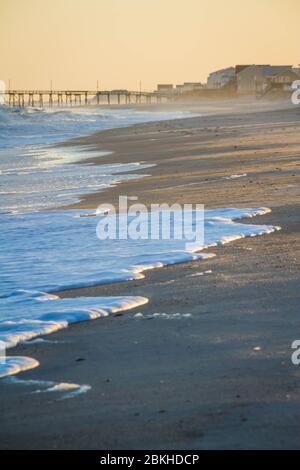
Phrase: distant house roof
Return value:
(267, 70)
(223, 71)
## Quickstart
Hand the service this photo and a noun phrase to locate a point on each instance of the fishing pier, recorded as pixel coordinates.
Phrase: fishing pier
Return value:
(65, 98)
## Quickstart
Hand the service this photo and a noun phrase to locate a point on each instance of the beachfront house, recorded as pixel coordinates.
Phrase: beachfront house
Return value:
(189, 87)
(179, 89)
(220, 78)
(165, 88)
(259, 79)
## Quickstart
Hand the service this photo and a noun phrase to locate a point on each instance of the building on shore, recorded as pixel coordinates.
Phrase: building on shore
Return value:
(260, 79)
(220, 78)
(189, 87)
(166, 88)
(243, 79)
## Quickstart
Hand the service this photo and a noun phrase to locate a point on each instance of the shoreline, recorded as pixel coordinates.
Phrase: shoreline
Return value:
(199, 154)
(149, 143)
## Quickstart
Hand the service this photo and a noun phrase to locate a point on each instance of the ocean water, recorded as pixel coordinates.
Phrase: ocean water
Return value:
(44, 252)
(35, 175)
(20, 127)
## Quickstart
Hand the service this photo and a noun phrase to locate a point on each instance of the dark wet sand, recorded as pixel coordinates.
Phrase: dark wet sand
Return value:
(195, 382)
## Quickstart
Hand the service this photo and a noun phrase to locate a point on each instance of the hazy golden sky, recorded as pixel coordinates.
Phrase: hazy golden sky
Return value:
(120, 42)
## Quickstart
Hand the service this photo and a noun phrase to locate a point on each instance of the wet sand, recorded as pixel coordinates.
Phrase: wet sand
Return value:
(220, 378)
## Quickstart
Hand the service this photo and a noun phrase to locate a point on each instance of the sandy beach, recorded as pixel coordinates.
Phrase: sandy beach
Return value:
(219, 375)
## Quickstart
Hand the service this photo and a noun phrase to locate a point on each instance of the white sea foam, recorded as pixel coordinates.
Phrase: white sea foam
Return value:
(15, 364)
(163, 316)
(234, 177)
(40, 341)
(72, 389)
(67, 311)
(66, 389)
(28, 382)
(201, 273)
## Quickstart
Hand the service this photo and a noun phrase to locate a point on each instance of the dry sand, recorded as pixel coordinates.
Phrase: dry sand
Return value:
(221, 378)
